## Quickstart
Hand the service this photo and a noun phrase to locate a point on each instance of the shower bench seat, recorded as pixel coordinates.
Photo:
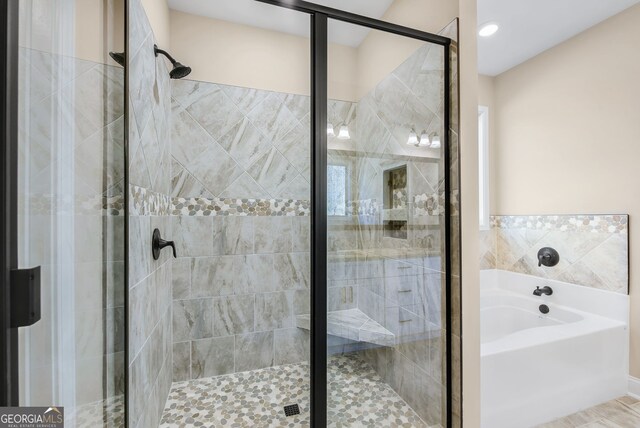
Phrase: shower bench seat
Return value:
(352, 324)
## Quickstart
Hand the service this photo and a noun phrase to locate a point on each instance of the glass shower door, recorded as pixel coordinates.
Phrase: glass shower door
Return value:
(70, 207)
(386, 274)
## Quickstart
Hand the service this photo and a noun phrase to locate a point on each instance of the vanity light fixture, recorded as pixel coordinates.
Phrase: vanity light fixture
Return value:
(488, 29)
(413, 139)
(435, 141)
(343, 134)
(330, 131)
(424, 140)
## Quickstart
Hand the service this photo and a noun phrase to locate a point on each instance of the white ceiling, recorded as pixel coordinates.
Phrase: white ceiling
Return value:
(530, 27)
(251, 12)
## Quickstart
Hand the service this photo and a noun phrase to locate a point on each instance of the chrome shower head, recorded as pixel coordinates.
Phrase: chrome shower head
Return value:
(179, 70)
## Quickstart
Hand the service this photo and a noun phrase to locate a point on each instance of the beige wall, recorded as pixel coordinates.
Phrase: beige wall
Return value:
(486, 97)
(284, 59)
(567, 136)
(158, 13)
(234, 54)
(99, 28)
(469, 214)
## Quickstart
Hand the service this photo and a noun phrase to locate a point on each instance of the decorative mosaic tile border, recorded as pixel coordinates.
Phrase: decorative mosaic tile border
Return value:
(573, 223)
(239, 207)
(427, 204)
(147, 202)
(367, 207)
(40, 204)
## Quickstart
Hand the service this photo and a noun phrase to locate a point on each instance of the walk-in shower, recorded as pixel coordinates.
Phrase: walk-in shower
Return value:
(314, 277)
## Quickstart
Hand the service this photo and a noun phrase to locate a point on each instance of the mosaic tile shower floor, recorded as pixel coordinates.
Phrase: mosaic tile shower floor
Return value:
(358, 398)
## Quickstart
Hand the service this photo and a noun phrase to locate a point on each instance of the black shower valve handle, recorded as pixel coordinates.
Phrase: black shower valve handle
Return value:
(171, 244)
(157, 244)
(548, 256)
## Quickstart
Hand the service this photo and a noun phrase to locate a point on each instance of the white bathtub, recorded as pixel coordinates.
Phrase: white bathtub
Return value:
(535, 367)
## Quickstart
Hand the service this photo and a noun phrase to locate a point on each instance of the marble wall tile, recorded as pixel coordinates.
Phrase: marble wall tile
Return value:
(301, 302)
(213, 99)
(253, 274)
(245, 143)
(273, 235)
(245, 187)
(290, 346)
(186, 92)
(193, 319)
(296, 147)
(233, 315)
(213, 276)
(300, 234)
(291, 271)
(254, 351)
(297, 188)
(274, 311)
(183, 183)
(272, 171)
(181, 278)
(140, 315)
(239, 140)
(237, 235)
(298, 105)
(194, 236)
(272, 117)
(189, 140)
(181, 361)
(215, 169)
(212, 357)
(246, 99)
(593, 249)
(387, 99)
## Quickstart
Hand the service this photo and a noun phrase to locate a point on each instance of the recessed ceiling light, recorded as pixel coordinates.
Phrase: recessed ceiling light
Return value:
(488, 29)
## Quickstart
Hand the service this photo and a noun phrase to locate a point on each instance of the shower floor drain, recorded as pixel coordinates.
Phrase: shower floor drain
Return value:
(291, 410)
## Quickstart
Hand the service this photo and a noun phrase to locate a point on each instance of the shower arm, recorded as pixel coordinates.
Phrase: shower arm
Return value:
(157, 51)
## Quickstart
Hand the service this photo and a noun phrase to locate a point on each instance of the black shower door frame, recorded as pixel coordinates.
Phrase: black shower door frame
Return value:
(8, 198)
(319, 16)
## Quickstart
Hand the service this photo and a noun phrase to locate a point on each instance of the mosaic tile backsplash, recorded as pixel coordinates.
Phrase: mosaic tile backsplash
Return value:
(594, 249)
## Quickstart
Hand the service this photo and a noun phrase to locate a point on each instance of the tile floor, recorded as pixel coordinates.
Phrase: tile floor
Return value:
(623, 412)
(358, 397)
